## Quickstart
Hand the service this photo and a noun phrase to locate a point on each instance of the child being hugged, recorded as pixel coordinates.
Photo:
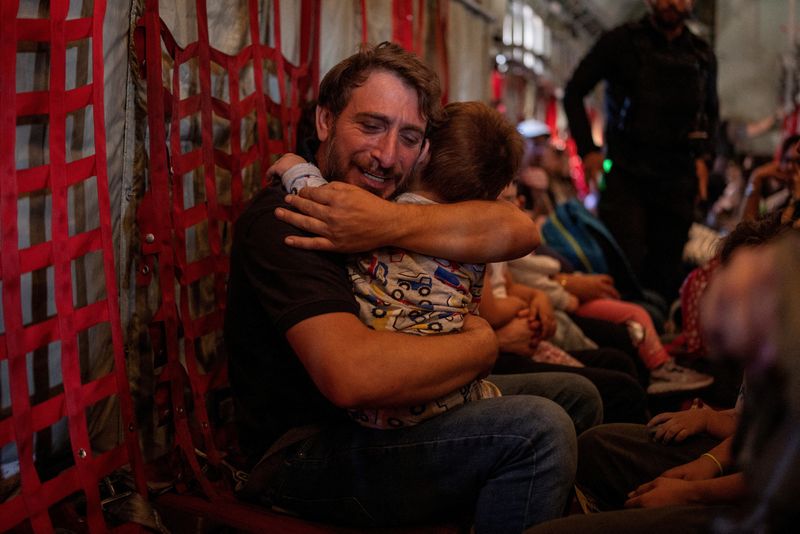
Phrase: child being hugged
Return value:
(474, 153)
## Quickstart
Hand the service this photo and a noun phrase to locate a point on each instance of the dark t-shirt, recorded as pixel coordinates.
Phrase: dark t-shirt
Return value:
(271, 288)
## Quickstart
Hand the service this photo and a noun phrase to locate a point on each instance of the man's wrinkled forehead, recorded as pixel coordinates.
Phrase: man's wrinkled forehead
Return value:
(373, 98)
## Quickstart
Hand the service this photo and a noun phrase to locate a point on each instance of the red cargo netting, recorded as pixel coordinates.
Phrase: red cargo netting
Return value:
(207, 156)
(49, 272)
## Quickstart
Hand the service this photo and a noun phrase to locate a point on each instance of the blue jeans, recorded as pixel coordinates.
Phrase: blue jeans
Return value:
(503, 464)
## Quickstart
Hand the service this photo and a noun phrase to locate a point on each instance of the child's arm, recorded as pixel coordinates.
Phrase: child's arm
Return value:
(295, 173)
(498, 311)
(541, 309)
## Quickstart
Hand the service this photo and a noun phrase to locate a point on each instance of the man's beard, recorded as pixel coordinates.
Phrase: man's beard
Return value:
(669, 18)
(336, 169)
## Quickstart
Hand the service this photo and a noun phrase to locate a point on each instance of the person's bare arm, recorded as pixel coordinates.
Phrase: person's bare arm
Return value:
(500, 311)
(701, 170)
(753, 192)
(673, 491)
(354, 366)
(705, 466)
(349, 219)
(588, 286)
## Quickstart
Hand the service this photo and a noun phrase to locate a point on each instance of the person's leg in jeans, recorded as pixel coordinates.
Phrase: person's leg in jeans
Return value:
(622, 396)
(578, 396)
(506, 463)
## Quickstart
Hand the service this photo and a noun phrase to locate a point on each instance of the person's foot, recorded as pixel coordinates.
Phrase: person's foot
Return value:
(670, 377)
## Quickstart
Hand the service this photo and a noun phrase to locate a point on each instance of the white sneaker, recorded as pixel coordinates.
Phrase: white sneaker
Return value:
(671, 377)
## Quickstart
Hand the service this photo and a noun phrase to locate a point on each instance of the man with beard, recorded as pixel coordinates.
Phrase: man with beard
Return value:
(300, 356)
(661, 111)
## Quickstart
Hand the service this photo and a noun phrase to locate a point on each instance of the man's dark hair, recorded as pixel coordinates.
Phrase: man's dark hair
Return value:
(475, 153)
(352, 72)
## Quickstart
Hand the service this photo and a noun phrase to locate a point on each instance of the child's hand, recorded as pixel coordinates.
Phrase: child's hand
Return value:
(541, 312)
(283, 164)
(572, 303)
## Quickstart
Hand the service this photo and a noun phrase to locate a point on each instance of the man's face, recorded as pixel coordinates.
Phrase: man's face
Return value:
(670, 14)
(378, 137)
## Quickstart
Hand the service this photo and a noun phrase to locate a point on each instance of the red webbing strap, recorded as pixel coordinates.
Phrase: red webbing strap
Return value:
(70, 363)
(403, 23)
(124, 398)
(208, 211)
(163, 237)
(261, 110)
(440, 34)
(180, 324)
(280, 69)
(364, 27)
(20, 340)
(419, 32)
(309, 45)
(30, 503)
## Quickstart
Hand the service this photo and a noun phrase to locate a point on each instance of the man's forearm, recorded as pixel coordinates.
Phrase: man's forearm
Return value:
(354, 366)
(474, 231)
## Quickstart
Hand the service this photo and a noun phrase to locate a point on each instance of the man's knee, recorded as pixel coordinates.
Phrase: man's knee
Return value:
(548, 430)
(574, 393)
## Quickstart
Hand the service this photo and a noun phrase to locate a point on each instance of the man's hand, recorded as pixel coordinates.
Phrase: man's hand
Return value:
(283, 164)
(678, 426)
(662, 492)
(344, 217)
(592, 167)
(589, 286)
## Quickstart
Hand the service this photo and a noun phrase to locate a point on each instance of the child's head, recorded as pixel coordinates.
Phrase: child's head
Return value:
(474, 154)
(752, 233)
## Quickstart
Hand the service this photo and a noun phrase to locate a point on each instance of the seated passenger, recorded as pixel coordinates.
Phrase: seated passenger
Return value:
(523, 319)
(299, 355)
(475, 153)
(682, 466)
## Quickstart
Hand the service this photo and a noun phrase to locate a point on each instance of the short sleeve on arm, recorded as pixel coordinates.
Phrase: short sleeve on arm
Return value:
(289, 284)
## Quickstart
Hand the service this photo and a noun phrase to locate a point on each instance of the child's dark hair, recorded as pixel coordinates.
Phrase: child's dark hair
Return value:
(475, 153)
(752, 233)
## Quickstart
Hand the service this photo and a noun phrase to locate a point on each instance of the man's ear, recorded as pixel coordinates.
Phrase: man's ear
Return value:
(324, 123)
(424, 153)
